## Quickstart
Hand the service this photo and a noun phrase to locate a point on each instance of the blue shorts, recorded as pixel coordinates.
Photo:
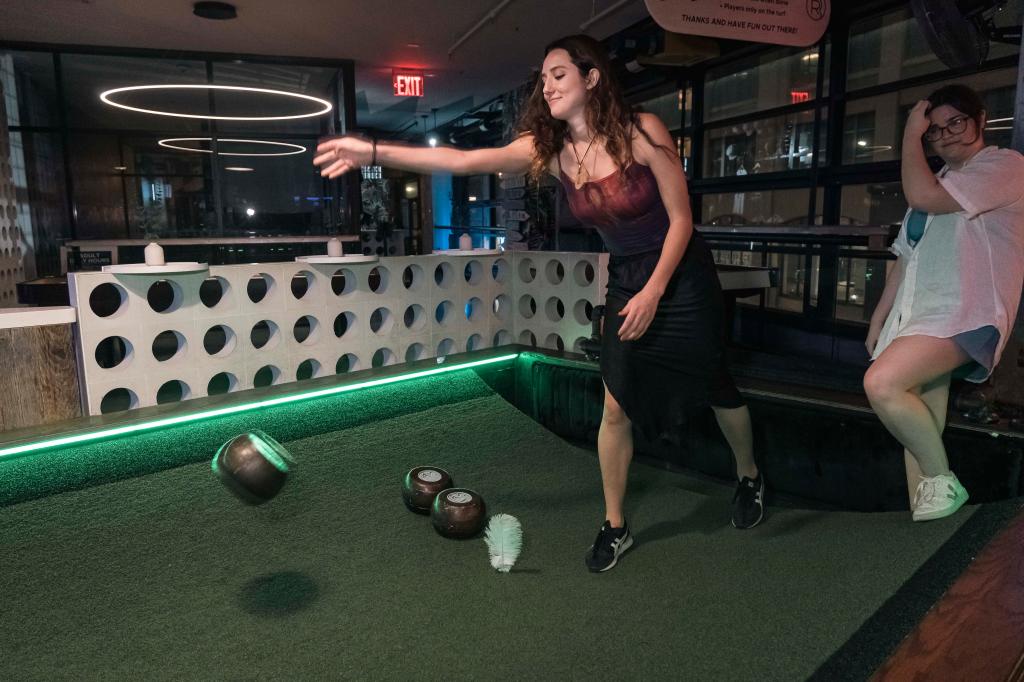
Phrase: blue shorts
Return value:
(981, 345)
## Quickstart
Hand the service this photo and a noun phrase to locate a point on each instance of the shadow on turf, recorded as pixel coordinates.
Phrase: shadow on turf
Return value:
(278, 594)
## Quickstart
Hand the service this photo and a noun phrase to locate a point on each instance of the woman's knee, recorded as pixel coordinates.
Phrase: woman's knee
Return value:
(879, 384)
(613, 414)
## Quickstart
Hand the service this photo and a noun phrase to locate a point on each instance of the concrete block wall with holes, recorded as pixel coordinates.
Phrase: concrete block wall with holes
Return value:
(145, 339)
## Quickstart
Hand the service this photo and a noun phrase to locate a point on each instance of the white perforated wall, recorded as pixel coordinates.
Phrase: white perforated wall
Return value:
(318, 319)
(11, 241)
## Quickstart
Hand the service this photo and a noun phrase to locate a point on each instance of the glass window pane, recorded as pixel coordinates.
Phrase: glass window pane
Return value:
(770, 79)
(773, 144)
(30, 91)
(168, 191)
(311, 81)
(891, 47)
(41, 197)
(772, 207)
(877, 203)
(98, 190)
(684, 147)
(86, 76)
(873, 126)
(668, 107)
(276, 194)
(169, 206)
(859, 286)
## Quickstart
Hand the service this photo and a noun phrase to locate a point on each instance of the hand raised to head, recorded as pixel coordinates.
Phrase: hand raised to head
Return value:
(917, 120)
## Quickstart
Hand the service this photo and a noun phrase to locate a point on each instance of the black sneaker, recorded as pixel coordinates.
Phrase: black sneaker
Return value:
(610, 544)
(748, 502)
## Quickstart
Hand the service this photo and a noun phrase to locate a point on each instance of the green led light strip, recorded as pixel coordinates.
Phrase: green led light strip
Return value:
(235, 409)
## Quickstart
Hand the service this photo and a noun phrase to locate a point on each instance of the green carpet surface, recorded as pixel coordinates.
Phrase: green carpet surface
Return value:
(167, 576)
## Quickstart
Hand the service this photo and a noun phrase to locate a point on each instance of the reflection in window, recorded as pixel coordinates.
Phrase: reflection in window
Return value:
(769, 145)
(877, 203)
(30, 91)
(772, 207)
(770, 79)
(859, 286)
(873, 126)
(670, 107)
(313, 81)
(127, 185)
(85, 76)
(891, 47)
(789, 295)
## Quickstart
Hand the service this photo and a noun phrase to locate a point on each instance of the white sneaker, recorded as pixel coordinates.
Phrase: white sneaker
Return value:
(938, 497)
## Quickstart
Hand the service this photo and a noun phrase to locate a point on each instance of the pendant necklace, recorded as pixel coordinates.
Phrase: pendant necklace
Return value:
(581, 172)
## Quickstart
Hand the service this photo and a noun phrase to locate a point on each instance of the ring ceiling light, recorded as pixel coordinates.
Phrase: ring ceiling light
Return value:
(295, 148)
(106, 97)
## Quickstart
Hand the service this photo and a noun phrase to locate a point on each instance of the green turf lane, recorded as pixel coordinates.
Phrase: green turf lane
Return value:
(167, 576)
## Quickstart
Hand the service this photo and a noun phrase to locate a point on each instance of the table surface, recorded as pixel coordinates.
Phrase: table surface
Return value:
(150, 571)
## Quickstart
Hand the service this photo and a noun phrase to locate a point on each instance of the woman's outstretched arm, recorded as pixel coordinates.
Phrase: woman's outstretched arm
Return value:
(341, 154)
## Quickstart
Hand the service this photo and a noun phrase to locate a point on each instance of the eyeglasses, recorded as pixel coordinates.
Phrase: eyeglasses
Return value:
(956, 125)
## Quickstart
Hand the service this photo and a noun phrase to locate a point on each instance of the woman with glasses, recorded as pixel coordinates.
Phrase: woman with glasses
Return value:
(950, 301)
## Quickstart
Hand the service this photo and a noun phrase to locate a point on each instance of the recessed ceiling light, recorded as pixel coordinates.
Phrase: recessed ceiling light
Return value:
(239, 169)
(214, 10)
(412, 45)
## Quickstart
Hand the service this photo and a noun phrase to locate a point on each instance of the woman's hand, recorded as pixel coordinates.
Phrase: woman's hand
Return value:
(874, 331)
(639, 312)
(339, 155)
(917, 121)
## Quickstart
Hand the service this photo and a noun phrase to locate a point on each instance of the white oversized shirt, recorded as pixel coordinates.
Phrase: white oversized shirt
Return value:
(967, 270)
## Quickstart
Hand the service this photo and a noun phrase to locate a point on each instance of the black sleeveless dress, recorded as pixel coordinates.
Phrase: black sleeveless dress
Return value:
(678, 366)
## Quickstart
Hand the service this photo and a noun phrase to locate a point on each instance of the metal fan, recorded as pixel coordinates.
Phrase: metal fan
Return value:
(958, 31)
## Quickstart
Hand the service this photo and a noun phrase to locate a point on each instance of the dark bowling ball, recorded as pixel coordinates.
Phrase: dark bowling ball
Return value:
(421, 486)
(458, 513)
(253, 466)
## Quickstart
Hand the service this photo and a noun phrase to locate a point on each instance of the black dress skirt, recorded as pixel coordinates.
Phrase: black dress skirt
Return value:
(678, 366)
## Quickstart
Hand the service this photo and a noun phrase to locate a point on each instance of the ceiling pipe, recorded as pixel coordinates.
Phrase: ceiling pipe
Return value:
(489, 17)
(601, 15)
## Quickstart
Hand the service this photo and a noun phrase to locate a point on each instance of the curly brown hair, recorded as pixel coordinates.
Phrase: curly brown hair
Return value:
(609, 116)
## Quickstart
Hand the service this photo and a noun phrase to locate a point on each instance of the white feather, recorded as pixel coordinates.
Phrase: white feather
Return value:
(504, 541)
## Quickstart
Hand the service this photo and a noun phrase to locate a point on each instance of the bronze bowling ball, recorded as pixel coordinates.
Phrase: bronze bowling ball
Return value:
(421, 486)
(253, 466)
(458, 513)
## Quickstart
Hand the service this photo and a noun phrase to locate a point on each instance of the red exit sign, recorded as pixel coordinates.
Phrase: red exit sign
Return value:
(407, 83)
(797, 96)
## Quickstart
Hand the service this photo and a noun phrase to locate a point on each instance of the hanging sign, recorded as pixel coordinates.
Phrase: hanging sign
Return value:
(407, 83)
(782, 22)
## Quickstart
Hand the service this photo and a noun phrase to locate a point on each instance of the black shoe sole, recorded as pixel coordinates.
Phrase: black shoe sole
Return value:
(755, 523)
(764, 508)
(615, 559)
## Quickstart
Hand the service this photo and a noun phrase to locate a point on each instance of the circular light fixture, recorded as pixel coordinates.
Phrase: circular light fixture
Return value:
(239, 169)
(296, 148)
(105, 96)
